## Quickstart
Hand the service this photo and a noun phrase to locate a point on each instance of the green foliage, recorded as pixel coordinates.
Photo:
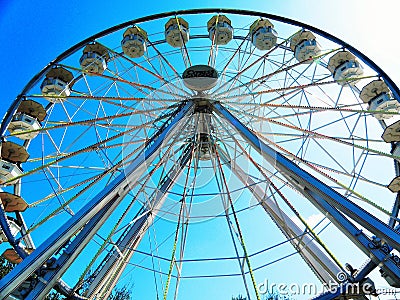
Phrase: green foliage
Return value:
(122, 293)
(240, 297)
(5, 266)
(275, 295)
(117, 294)
(54, 296)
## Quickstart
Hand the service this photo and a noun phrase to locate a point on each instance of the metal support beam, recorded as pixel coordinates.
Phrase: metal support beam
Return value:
(17, 191)
(54, 271)
(327, 200)
(108, 273)
(115, 191)
(395, 211)
(26, 237)
(322, 265)
(7, 231)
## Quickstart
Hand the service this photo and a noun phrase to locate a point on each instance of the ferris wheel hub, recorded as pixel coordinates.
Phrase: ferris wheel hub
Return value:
(200, 78)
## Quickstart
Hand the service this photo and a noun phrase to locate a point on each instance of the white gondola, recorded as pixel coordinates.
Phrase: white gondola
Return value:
(8, 171)
(94, 59)
(345, 68)
(26, 122)
(263, 35)
(304, 46)
(177, 32)
(56, 84)
(386, 105)
(220, 30)
(377, 94)
(24, 127)
(134, 42)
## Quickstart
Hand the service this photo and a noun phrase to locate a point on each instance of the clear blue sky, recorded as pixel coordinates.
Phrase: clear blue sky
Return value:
(32, 33)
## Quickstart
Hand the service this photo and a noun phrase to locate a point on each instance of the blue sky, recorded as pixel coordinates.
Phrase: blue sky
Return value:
(33, 33)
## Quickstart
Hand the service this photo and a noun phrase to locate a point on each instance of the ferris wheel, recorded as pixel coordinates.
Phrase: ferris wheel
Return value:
(198, 153)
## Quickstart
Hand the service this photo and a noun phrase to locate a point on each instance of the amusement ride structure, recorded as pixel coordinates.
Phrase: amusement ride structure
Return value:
(191, 152)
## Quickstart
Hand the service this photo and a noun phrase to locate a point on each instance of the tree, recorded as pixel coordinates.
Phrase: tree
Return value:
(273, 295)
(5, 266)
(122, 293)
(240, 297)
(54, 296)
